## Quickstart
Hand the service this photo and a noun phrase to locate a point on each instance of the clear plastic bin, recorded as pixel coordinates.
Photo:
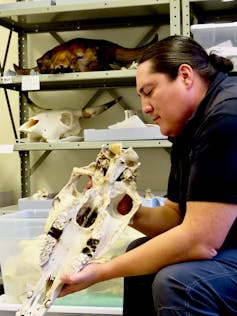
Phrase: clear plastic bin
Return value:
(215, 34)
(23, 228)
(14, 228)
(219, 38)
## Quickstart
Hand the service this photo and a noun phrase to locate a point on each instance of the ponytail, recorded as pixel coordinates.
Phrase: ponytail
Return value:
(220, 63)
(168, 54)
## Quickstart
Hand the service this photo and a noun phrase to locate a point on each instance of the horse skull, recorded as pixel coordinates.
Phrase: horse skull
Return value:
(81, 227)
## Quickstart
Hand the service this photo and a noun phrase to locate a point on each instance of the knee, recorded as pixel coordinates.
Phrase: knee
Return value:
(162, 282)
(168, 287)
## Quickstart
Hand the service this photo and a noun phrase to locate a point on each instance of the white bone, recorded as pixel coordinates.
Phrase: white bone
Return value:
(81, 227)
(52, 125)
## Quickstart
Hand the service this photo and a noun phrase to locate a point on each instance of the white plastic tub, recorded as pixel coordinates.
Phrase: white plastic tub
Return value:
(214, 34)
(219, 38)
(103, 299)
(10, 310)
(16, 227)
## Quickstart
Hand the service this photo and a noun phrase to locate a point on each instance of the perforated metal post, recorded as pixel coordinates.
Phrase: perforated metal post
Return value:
(186, 17)
(175, 27)
(24, 115)
(25, 173)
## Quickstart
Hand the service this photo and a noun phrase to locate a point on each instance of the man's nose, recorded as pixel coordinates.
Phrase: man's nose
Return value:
(146, 107)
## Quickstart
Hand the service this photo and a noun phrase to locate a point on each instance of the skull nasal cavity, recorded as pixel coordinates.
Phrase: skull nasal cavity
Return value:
(31, 122)
(86, 217)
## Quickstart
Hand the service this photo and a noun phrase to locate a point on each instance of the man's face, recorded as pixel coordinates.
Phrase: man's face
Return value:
(167, 101)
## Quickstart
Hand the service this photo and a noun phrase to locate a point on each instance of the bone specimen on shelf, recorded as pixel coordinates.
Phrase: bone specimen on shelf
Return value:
(54, 125)
(83, 226)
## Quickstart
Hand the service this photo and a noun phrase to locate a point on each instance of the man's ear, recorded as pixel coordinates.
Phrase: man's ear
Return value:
(185, 73)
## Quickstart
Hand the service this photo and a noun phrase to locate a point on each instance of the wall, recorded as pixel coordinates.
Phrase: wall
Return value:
(55, 170)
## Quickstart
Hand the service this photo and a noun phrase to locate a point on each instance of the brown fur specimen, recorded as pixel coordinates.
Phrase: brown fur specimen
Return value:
(82, 54)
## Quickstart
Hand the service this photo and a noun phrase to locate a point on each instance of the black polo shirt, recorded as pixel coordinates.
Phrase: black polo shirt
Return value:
(204, 155)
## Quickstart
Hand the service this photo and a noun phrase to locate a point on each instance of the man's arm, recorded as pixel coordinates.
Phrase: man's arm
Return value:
(199, 236)
(154, 221)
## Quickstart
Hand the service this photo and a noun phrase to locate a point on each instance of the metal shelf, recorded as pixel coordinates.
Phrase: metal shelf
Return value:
(206, 12)
(214, 10)
(61, 15)
(77, 80)
(89, 145)
(35, 17)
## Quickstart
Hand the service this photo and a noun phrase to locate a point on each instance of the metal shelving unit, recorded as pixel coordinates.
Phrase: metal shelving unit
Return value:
(163, 143)
(77, 80)
(28, 18)
(21, 146)
(56, 15)
(204, 11)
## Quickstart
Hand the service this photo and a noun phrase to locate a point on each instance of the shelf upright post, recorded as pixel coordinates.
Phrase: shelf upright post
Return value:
(25, 173)
(175, 17)
(186, 17)
(24, 115)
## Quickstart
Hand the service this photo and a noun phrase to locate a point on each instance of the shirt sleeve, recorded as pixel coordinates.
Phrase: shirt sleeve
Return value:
(213, 173)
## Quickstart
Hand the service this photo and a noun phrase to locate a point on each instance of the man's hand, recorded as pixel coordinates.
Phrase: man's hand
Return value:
(75, 282)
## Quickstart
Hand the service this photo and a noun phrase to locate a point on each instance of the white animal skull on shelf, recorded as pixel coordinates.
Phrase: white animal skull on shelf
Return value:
(81, 227)
(53, 125)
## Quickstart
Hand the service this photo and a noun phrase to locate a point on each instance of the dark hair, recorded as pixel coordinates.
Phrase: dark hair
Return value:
(169, 53)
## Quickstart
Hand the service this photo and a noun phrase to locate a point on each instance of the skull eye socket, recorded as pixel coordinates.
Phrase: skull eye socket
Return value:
(123, 202)
(131, 163)
(86, 216)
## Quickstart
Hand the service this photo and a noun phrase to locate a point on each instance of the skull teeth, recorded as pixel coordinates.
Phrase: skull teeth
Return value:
(49, 244)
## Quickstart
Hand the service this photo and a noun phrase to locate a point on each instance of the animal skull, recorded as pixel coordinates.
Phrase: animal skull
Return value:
(81, 227)
(53, 125)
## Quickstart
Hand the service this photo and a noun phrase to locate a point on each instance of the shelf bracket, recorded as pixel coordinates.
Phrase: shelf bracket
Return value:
(27, 171)
(10, 114)
(6, 53)
(39, 162)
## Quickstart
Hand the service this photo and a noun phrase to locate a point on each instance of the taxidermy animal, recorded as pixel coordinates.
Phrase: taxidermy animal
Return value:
(53, 125)
(81, 227)
(82, 54)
